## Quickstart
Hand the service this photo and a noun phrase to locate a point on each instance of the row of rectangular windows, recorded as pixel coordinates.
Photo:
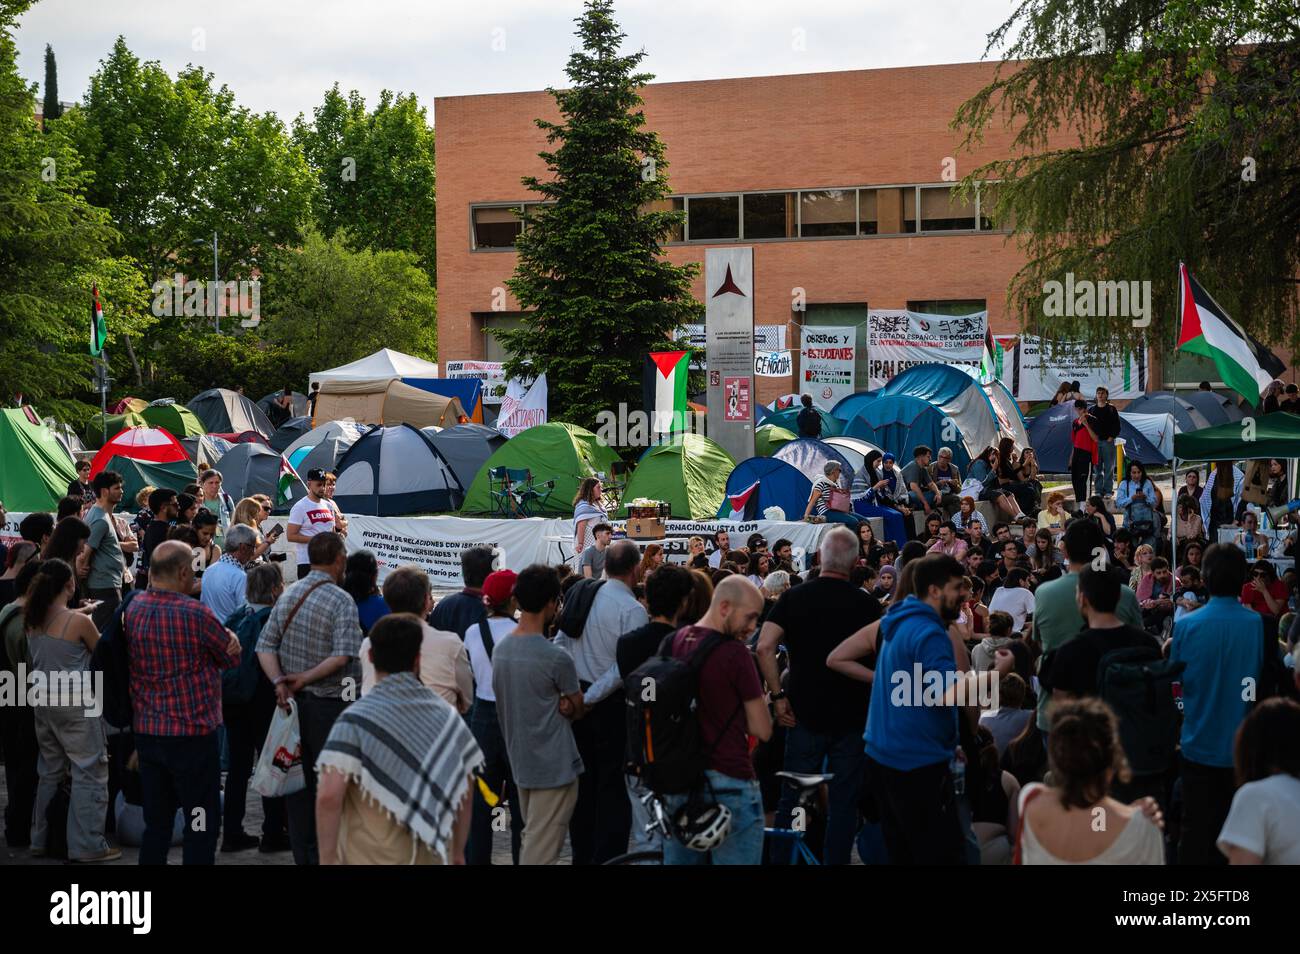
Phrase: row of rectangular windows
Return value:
(766, 216)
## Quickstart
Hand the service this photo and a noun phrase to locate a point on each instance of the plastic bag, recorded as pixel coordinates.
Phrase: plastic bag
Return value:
(279, 768)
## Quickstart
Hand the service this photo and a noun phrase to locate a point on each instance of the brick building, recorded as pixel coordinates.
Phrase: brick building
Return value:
(837, 180)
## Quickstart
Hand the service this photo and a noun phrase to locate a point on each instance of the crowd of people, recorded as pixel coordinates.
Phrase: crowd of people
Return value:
(975, 690)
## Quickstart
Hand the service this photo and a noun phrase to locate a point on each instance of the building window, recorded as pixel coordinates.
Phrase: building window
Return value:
(958, 308)
(668, 205)
(830, 212)
(988, 197)
(770, 215)
(496, 226)
(713, 218)
(942, 211)
(889, 211)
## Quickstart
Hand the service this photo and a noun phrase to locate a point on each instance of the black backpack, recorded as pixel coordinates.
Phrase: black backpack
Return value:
(1139, 685)
(577, 607)
(111, 657)
(664, 744)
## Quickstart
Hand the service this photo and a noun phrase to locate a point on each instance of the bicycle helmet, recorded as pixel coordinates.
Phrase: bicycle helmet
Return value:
(702, 826)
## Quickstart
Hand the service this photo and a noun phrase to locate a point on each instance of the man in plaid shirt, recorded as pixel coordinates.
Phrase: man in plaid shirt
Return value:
(310, 649)
(177, 651)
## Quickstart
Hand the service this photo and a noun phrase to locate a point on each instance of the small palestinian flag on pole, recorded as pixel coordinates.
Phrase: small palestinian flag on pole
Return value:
(98, 327)
(1245, 365)
(288, 477)
(742, 505)
(664, 390)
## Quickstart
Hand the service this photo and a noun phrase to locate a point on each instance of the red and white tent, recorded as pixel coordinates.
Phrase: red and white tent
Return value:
(153, 444)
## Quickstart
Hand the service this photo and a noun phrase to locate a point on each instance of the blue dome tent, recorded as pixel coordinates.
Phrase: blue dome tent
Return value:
(789, 419)
(897, 423)
(778, 485)
(957, 395)
(809, 455)
(1049, 435)
(1185, 414)
(849, 407)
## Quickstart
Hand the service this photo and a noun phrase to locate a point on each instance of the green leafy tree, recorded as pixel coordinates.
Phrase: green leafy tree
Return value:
(589, 268)
(1148, 132)
(50, 108)
(53, 245)
(326, 303)
(374, 172)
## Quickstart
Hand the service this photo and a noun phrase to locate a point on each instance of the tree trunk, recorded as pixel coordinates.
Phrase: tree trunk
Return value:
(135, 365)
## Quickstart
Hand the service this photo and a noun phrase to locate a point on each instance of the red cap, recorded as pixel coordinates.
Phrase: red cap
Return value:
(499, 585)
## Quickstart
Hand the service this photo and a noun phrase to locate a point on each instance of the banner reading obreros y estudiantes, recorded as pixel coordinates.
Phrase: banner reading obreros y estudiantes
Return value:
(729, 342)
(826, 358)
(898, 339)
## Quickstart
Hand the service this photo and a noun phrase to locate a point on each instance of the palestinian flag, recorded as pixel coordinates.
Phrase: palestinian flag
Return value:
(98, 327)
(741, 506)
(1245, 365)
(288, 477)
(664, 390)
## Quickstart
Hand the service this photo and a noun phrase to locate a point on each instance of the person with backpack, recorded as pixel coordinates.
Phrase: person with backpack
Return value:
(602, 819)
(481, 641)
(247, 704)
(808, 420)
(460, 612)
(1222, 644)
(717, 811)
(537, 695)
(1100, 662)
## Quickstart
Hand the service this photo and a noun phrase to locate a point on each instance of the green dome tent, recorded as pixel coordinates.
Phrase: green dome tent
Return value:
(770, 438)
(175, 418)
(564, 453)
(689, 473)
(34, 468)
(94, 433)
(138, 474)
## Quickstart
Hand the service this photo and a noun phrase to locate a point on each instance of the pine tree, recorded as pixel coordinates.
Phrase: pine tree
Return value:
(51, 108)
(590, 265)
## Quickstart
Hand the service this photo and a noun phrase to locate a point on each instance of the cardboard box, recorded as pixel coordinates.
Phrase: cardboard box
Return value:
(651, 528)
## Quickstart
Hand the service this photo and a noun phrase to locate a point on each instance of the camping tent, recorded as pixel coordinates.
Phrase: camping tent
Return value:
(205, 449)
(226, 412)
(809, 456)
(789, 420)
(897, 423)
(288, 432)
(382, 366)
(322, 448)
(391, 471)
(387, 402)
(154, 445)
(179, 420)
(561, 452)
(849, 406)
(1007, 411)
(465, 448)
(768, 438)
(128, 404)
(1185, 415)
(1158, 429)
(960, 398)
(854, 449)
(100, 424)
(249, 469)
(1275, 435)
(68, 439)
(778, 485)
(469, 391)
(138, 474)
(1050, 437)
(35, 470)
(277, 415)
(1215, 408)
(689, 473)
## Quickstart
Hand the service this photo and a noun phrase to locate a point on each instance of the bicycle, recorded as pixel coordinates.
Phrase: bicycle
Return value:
(807, 787)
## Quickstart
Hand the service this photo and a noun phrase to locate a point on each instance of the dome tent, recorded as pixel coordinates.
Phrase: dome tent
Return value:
(849, 406)
(288, 432)
(898, 423)
(1185, 415)
(809, 456)
(555, 451)
(145, 456)
(789, 419)
(958, 396)
(1050, 436)
(775, 484)
(179, 420)
(205, 449)
(854, 449)
(322, 448)
(466, 448)
(277, 415)
(249, 469)
(768, 439)
(226, 412)
(138, 474)
(35, 469)
(1007, 411)
(100, 424)
(391, 471)
(688, 472)
(128, 404)
(1213, 407)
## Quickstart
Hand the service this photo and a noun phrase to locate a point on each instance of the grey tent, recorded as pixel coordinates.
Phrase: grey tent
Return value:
(323, 447)
(1185, 415)
(1216, 408)
(288, 432)
(206, 449)
(278, 415)
(248, 469)
(466, 447)
(68, 439)
(225, 412)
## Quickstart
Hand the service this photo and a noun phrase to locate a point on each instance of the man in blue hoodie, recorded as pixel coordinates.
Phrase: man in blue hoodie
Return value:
(911, 724)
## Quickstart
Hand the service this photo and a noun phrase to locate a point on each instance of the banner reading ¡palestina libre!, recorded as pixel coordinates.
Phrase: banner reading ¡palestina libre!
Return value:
(898, 339)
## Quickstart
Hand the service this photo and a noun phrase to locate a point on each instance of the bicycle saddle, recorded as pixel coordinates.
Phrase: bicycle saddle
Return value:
(799, 780)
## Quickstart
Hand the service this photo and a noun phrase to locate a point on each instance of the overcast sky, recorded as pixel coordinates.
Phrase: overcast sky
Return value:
(282, 55)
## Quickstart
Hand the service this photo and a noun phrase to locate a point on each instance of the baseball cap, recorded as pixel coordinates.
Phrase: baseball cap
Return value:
(316, 473)
(499, 585)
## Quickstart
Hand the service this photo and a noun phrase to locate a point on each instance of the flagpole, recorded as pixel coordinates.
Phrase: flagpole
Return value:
(103, 396)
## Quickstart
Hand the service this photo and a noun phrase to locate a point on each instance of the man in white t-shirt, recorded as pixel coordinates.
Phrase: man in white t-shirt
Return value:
(721, 547)
(1015, 597)
(310, 515)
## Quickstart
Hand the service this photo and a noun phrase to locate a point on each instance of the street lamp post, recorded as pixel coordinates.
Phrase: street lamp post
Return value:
(216, 277)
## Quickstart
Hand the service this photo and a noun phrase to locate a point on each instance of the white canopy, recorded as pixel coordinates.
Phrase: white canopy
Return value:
(384, 365)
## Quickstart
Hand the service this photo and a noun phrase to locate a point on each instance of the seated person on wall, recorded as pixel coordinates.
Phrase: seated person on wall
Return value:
(923, 492)
(1155, 594)
(826, 494)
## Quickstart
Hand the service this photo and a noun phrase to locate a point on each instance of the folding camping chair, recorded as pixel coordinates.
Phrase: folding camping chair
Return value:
(533, 496)
(614, 484)
(505, 499)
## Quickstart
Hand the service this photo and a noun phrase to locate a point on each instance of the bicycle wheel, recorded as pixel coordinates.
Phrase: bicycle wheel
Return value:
(647, 857)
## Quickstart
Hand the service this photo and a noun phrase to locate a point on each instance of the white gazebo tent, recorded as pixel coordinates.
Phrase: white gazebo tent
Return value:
(378, 368)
